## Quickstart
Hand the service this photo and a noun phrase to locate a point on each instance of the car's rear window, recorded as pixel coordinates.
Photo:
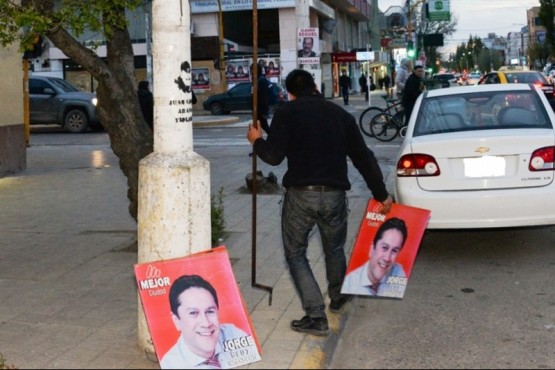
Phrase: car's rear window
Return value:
(444, 77)
(525, 78)
(481, 111)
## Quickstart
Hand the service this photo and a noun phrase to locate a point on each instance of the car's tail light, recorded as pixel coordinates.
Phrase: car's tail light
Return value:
(417, 165)
(542, 159)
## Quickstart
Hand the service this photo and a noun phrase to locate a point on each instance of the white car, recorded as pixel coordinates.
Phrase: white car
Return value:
(474, 170)
(473, 78)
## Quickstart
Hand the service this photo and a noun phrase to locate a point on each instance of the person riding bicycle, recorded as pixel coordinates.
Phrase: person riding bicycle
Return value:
(413, 88)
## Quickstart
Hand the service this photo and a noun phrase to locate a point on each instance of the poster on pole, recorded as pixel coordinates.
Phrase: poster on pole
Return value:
(195, 312)
(385, 250)
(308, 46)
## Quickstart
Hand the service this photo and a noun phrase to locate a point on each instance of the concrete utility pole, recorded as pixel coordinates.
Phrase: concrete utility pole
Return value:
(174, 182)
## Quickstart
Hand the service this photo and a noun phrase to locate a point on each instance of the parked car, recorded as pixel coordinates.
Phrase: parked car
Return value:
(55, 100)
(447, 79)
(473, 171)
(239, 97)
(520, 76)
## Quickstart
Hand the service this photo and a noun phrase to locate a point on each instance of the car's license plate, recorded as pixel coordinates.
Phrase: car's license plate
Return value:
(486, 166)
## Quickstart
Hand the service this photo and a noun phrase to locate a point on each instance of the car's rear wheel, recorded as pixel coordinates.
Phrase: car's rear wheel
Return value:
(216, 109)
(76, 121)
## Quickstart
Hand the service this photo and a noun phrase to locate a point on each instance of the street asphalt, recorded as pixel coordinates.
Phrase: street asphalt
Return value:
(68, 246)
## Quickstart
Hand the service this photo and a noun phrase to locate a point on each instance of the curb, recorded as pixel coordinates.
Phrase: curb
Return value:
(316, 352)
(203, 121)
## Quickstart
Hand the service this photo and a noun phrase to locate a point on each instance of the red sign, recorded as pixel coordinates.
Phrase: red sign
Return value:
(343, 57)
(384, 43)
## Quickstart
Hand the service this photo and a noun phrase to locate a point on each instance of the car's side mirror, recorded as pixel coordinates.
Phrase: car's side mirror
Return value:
(48, 91)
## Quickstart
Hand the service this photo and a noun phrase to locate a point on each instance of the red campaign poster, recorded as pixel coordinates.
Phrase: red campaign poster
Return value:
(195, 312)
(385, 250)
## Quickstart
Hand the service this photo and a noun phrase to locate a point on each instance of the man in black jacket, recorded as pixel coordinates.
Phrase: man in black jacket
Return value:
(316, 136)
(345, 85)
(146, 101)
(413, 88)
(263, 106)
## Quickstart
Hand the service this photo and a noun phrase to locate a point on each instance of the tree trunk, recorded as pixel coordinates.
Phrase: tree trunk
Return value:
(118, 107)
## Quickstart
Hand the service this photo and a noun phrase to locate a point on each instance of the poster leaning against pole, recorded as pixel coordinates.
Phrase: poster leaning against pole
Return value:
(195, 312)
(385, 250)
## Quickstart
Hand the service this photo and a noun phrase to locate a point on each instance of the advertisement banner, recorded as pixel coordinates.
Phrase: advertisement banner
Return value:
(195, 312)
(385, 250)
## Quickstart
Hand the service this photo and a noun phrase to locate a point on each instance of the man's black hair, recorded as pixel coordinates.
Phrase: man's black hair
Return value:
(392, 223)
(185, 282)
(300, 82)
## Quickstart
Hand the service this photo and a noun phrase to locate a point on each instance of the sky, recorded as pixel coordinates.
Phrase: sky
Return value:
(480, 17)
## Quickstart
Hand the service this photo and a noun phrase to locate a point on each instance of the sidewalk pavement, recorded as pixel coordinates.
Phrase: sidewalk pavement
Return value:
(68, 245)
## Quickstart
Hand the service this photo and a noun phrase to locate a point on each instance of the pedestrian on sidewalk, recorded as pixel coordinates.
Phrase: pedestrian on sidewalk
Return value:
(316, 136)
(402, 75)
(413, 88)
(363, 85)
(146, 101)
(345, 85)
(263, 105)
(387, 82)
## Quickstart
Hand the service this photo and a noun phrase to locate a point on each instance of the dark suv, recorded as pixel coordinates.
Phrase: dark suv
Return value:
(239, 97)
(55, 100)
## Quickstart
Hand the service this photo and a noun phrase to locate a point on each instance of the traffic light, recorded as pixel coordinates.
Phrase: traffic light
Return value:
(410, 50)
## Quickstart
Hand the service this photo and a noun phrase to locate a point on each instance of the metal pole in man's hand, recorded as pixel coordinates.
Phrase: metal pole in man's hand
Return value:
(368, 85)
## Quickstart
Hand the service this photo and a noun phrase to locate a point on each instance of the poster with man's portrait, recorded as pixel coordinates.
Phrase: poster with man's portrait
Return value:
(195, 312)
(385, 250)
(308, 46)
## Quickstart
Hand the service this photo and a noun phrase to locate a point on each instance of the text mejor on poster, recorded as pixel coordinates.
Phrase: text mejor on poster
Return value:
(195, 312)
(385, 250)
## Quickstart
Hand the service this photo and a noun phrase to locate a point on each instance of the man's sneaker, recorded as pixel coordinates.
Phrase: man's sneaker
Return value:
(315, 326)
(335, 306)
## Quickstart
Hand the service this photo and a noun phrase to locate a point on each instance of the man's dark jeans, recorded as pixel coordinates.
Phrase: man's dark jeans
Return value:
(301, 211)
(345, 94)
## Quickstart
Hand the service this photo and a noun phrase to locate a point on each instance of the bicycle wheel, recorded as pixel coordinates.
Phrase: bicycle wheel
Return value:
(366, 117)
(384, 127)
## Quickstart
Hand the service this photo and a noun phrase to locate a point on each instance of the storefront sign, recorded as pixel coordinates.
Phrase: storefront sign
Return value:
(343, 57)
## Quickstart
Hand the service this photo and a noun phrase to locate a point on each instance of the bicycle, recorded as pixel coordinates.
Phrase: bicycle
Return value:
(386, 127)
(393, 107)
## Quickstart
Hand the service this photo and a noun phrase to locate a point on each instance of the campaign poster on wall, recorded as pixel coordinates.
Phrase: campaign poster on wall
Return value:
(384, 252)
(195, 312)
(238, 71)
(200, 78)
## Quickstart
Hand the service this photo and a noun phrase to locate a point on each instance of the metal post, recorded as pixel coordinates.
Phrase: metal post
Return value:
(254, 158)
(368, 74)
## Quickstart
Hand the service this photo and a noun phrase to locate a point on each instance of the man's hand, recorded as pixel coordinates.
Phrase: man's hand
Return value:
(254, 132)
(385, 206)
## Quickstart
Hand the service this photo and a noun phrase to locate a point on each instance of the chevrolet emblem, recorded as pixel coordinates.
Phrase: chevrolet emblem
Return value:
(482, 150)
